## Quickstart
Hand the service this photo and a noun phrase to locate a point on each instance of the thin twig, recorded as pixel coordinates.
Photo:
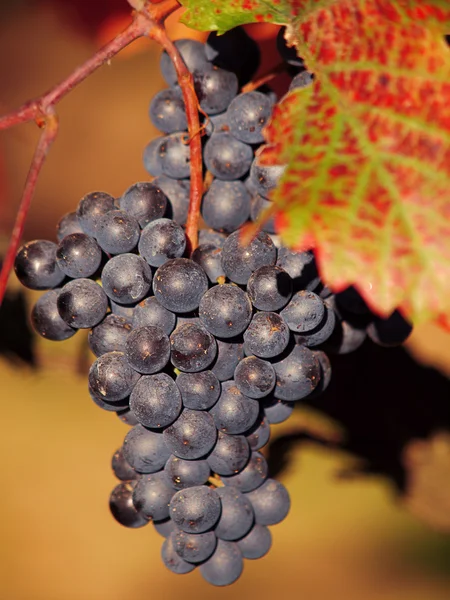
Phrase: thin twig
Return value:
(264, 78)
(48, 136)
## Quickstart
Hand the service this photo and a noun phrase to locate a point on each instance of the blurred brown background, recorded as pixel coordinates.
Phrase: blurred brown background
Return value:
(349, 538)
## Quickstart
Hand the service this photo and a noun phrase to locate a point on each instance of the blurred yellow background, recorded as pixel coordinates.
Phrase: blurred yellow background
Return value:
(343, 539)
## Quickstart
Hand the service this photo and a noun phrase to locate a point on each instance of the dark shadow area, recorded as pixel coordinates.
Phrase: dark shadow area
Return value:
(16, 338)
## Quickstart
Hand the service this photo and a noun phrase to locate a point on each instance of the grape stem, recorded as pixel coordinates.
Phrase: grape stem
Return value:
(147, 22)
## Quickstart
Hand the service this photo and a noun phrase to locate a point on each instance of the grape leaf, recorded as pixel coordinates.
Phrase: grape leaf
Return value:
(368, 154)
(433, 14)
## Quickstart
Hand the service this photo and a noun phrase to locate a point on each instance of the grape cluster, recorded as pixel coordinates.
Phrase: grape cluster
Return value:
(199, 355)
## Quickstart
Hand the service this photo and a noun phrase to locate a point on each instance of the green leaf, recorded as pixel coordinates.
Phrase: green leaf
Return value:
(433, 14)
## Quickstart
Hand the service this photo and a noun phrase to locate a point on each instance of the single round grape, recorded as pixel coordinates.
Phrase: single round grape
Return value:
(36, 266)
(216, 123)
(258, 206)
(389, 332)
(194, 547)
(117, 232)
(174, 155)
(171, 559)
(199, 391)
(148, 349)
(144, 201)
(192, 348)
(111, 377)
(236, 518)
(270, 502)
(46, 319)
(230, 454)
(165, 527)
(239, 261)
(116, 407)
(196, 509)
(229, 353)
(256, 543)
(126, 278)
(248, 115)
(177, 192)
(298, 374)
(179, 285)
(82, 303)
(225, 566)
(215, 88)
(91, 208)
(254, 377)
(193, 54)
(226, 205)
(122, 507)
(265, 177)
(259, 434)
(301, 80)
(269, 288)
(267, 335)
(304, 312)
(325, 372)
(78, 255)
(251, 477)
(151, 157)
(209, 257)
(150, 312)
(160, 240)
(167, 111)
(225, 310)
(186, 473)
(345, 338)
(301, 267)
(234, 412)
(152, 494)
(192, 435)
(68, 224)
(121, 468)
(276, 410)
(122, 310)
(127, 416)
(235, 51)
(322, 332)
(226, 157)
(156, 400)
(145, 450)
(209, 236)
(110, 335)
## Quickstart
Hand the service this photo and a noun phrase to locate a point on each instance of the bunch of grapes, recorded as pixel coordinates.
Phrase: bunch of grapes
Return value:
(198, 354)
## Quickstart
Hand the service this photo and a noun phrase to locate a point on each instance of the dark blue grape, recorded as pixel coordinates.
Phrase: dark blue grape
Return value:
(236, 518)
(226, 157)
(78, 255)
(111, 377)
(254, 377)
(256, 543)
(270, 502)
(171, 559)
(297, 374)
(226, 205)
(36, 266)
(193, 54)
(126, 278)
(116, 407)
(127, 416)
(174, 155)
(121, 468)
(186, 473)
(46, 319)
(304, 312)
(301, 267)
(144, 201)
(192, 435)
(258, 206)
(122, 507)
(165, 527)
(68, 224)
(82, 303)
(199, 391)
(229, 455)
(91, 208)
(122, 310)
(225, 310)
(192, 348)
(389, 332)
(234, 412)
(150, 312)
(265, 177)
(151, 496)
(259, 434)
(323, 331)
(167, 111)
(145, 450)
(209, 257)
(216, 124)
(209, 236)
(251, 477)
(269, 288)
(151, 158)
(248, 114)
(179, 285)
(117, 232)
(148, 349)
(194, 547)
(345, 338)
(267, 335)
(156, 401)
(234, 50)
(325, 372)
(229, 353)
(161, 240)
(239, 260)
(110, 335)
(196, 509)
(225, 566)
(301, 80)
(276, 410)
(215, 89)
(177, 192)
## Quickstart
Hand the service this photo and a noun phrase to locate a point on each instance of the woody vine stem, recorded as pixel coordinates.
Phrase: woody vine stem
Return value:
(148, 21)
